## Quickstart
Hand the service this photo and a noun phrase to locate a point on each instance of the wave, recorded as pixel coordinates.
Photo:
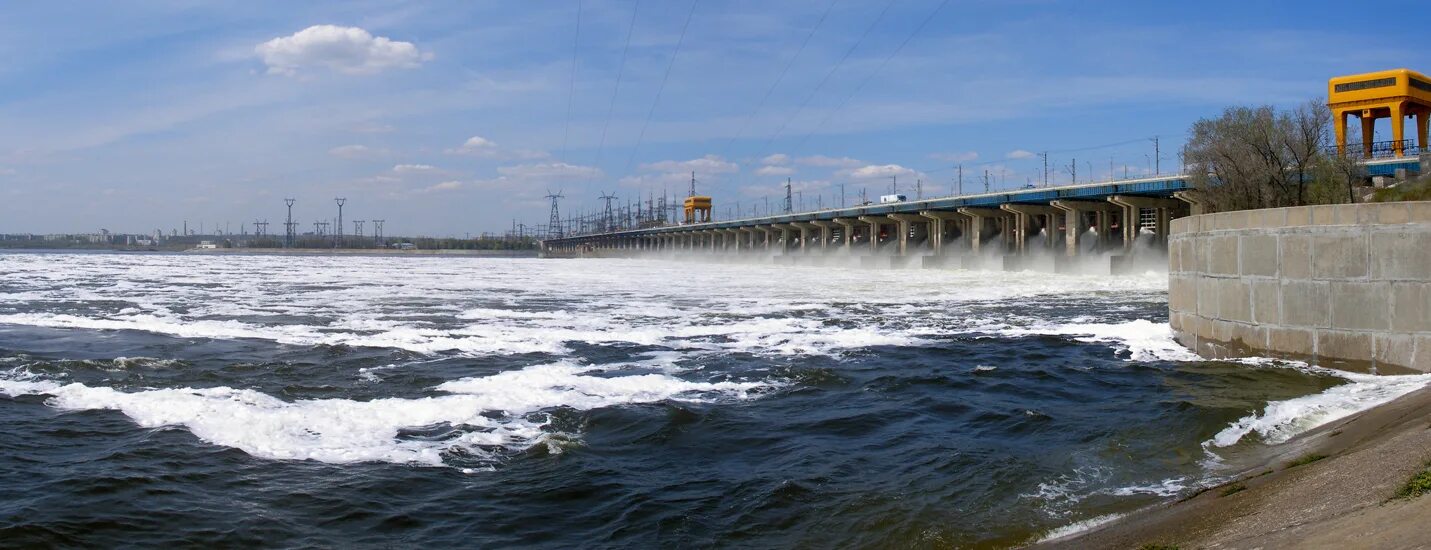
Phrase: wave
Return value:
(1078, 527)
(1142, 339)
(477, 417)
(1283, 420)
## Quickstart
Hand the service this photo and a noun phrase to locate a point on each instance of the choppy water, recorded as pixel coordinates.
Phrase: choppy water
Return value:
(300, 401)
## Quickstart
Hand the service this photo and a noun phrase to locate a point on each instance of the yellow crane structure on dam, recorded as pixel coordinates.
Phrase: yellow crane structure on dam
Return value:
(1394, 94)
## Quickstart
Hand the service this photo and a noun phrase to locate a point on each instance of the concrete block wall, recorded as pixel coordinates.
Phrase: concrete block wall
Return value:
(1343, 286)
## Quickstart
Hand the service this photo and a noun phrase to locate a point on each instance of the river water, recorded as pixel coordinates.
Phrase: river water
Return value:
(378, 401)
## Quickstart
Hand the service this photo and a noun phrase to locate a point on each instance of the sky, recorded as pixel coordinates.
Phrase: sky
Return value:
(449, 118)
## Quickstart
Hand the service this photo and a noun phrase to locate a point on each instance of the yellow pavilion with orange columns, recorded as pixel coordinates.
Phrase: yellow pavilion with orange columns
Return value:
(1394, 94)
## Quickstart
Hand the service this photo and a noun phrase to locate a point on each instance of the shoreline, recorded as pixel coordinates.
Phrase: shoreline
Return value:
(1331, 486)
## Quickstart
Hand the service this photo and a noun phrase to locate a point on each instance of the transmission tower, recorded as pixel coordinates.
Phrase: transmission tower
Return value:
(788, 205)
(606, 219)
(290, 228)
(358, 229)
(260, 228)
(554, 225)
(378, 232)
(338, 231)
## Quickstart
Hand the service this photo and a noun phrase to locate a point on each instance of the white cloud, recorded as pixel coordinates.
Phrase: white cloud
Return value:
(809, 186)
(812, 189)
(709, 164)
(878, 171)
(1018, 154)
(958, 156)
(405, 175)
(415, 169)
(478, 146)
(7, 171)
(549, 170)
(355, 151)
(348, 50)
(829, 162)
(478, 143)
(774, 171)
(444, 186)
(777, 159)
(676, 181)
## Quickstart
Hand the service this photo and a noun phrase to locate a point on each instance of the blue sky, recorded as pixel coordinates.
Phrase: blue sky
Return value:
(452, 117)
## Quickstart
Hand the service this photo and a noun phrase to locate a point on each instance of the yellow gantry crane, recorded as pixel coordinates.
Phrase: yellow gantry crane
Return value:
(1394, 94)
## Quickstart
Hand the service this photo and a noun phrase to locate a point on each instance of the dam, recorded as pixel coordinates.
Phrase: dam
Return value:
(1067, 228)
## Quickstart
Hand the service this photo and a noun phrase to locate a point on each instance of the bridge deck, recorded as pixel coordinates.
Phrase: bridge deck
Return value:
(1163, 186)
(1160, 186)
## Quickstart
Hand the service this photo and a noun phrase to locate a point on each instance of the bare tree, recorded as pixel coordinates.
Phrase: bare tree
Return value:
(1304, 133)
(1257, 157)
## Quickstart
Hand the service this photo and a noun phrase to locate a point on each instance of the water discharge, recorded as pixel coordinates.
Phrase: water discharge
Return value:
(609, 402)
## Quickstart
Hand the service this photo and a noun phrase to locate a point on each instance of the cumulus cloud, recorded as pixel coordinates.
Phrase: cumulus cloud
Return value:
(347, 50)
(355, 151)
(478, 146)
(1018, 154)
(829, 162)
(477, 143)
(777, 159)
(709, 164)
(958, 156)
(774, 171)
(549, 170)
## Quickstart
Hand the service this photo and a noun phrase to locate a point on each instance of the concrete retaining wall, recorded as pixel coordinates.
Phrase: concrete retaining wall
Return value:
(1345, 286)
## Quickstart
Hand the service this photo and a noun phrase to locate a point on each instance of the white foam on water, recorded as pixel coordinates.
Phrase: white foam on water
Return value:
(1283, 420)
(1165, 488)
(521, 306)
(1078, 527)
(1144, 340)
(163, 325)
(346, 431)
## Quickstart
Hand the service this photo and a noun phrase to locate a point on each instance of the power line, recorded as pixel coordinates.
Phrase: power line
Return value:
(826, 79)
(571, 82)
(620, 73)
(780, 77)
(672, 63)
(872, 74)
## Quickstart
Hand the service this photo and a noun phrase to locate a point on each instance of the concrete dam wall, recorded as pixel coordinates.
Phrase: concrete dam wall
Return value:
(1346, 286)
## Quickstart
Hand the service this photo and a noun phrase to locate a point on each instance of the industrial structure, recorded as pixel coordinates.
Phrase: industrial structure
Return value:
(1002, 229)
(1012, 224)
(1395, 94)
(698, 209)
